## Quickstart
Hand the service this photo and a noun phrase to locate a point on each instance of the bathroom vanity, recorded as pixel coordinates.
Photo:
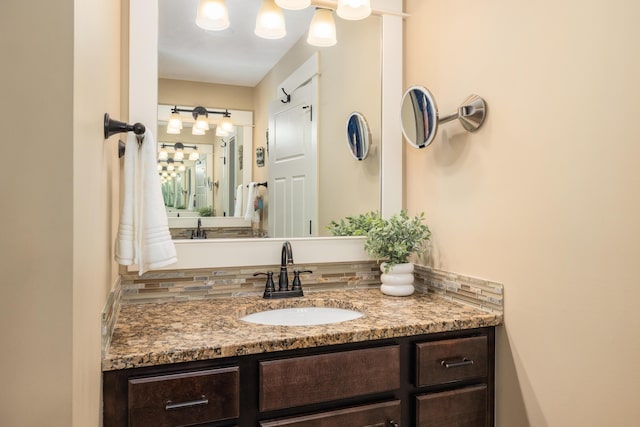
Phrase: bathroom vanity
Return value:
(420, 360)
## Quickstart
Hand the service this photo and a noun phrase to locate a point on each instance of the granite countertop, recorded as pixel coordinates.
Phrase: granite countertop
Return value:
(172, 332)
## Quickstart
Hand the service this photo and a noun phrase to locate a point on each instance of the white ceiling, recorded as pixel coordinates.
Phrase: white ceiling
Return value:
(235, 56)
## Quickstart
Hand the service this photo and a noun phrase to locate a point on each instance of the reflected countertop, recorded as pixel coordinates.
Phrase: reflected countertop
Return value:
(172, 332)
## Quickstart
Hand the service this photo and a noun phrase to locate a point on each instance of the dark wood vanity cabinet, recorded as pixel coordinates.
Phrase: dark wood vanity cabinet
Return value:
(435, 380)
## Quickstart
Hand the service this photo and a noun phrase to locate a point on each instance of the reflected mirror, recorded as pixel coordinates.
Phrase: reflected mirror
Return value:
(358, 136)
(225, 70)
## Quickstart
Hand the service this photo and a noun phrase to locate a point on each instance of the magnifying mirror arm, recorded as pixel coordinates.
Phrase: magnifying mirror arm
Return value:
(471, 113)
(448, 118)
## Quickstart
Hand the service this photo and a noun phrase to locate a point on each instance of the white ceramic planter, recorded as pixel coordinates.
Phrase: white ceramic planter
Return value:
(398, 281)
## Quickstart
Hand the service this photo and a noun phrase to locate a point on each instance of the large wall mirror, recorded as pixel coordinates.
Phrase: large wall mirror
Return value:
(177, 86)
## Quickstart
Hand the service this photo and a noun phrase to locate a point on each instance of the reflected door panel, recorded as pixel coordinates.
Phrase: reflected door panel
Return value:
(292, 166)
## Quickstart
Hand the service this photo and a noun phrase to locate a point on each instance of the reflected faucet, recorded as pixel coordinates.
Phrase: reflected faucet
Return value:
(286, 258)
(199, 233)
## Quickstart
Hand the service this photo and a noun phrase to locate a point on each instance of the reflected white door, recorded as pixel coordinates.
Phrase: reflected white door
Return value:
(292, 158)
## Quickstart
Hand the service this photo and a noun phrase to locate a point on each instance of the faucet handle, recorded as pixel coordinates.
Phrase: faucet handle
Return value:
(297, 285)
(269, 287)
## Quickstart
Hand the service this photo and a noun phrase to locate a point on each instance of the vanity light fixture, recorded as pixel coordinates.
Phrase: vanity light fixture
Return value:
(201, 117)
(270, 21)
(179, 154)
(293, 4)
(178, 157)
(174, 125)
(221, 132)
(354, 9)
(212, 15)
(322, 31)
(193, 156)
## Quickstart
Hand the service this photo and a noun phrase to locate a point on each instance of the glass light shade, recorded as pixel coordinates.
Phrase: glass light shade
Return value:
(226, 124)
(171, 168)
(181, 168)
(163, 155)
(293, 4)
(270, 21)
(353, 9)
(159, 167)
(212, 15)
(165, 174)
(221, 132)
(173, 174)
(322, 30)
(178, 155)
(194, 155)
(173, 131)
(175, 121)
(196, 131)
(201, 122)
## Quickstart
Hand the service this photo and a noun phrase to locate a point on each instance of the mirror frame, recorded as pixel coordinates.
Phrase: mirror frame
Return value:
(143, 104)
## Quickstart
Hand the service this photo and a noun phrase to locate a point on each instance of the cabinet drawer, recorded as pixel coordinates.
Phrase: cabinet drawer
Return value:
(461, 407)
(312, 379)
(451, 360)
(185, 398)
(383, 414)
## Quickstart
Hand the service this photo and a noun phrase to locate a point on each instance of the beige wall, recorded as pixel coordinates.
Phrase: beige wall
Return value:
(56, 263)
(36, 311)
(97, 89)
(545, 197)
(349, 81)
(208, 95)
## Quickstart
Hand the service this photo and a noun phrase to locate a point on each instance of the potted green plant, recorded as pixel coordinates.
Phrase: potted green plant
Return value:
(391, 240)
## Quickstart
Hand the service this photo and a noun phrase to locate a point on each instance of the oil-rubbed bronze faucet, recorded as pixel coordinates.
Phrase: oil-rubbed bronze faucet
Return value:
(283, 291)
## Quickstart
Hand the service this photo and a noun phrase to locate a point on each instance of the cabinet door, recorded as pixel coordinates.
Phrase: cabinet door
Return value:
(305, 380)
(445, 361)
(464, 407)
(185, 398)
(385, 414)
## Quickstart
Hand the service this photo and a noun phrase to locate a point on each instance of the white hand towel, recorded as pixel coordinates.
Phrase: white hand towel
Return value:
(125, 241)
(237, 207)
(253, 189)
(143, 235)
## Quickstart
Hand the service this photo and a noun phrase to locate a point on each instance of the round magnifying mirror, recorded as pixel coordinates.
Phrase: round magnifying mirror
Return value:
(419, 116)
(358, 136)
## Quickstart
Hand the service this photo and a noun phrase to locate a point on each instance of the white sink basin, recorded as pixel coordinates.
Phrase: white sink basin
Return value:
(302, 316)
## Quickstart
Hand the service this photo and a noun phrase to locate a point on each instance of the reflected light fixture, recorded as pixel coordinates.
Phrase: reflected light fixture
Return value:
(293, 4)
(196, 131)
(221, 132)
(322, 31)
(226, 124)
(353, 9)
(179, 154)
(194, 155)
(163, 154)
(200, 116)
(212, 15)
(270, 21)
(174, 125)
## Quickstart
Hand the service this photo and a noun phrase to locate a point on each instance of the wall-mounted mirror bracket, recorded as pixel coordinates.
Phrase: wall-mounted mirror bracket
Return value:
(420, 116)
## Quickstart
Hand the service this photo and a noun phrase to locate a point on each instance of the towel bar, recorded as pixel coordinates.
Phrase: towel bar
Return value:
(111, 127)
(260, 184)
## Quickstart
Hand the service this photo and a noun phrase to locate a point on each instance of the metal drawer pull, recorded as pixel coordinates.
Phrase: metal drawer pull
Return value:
(393, 423)
(202, 401)
(450, 364)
